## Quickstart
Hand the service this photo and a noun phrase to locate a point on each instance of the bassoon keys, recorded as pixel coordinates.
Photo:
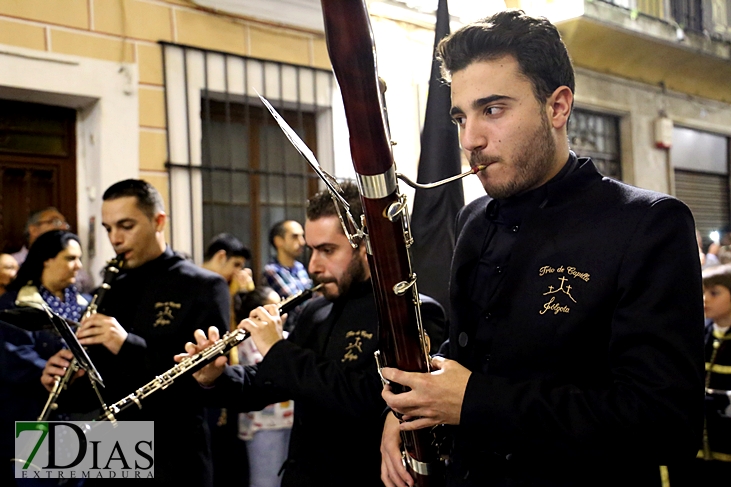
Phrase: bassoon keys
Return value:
(402, 342)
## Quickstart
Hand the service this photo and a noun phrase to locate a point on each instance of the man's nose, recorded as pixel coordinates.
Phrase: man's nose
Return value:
(115, 237)
(314, 267)
(472, 137)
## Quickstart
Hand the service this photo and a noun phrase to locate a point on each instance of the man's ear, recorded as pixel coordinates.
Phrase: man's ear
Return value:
(558, 106)
(160, 220)
(362, 250)
(220, 257)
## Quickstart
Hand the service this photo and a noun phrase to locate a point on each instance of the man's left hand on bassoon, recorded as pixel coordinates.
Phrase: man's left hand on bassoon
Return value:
(435, 398)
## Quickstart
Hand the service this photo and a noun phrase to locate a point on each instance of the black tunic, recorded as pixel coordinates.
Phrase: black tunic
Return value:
(327, 367)
(717, 434)
(161, 304)
(591, 371)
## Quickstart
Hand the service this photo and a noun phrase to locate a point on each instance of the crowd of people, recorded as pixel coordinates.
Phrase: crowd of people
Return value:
(151, 309)
(575, 341)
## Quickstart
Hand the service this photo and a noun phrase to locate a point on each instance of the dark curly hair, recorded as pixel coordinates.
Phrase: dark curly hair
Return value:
(534, 42)
(322, 205)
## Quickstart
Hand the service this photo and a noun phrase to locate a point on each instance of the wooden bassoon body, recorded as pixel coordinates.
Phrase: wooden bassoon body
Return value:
(402, 340)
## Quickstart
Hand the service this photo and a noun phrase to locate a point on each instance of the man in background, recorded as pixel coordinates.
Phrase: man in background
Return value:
(326, 365)
(39, 222)
(285, 274)
(8, 270)
(227, 256)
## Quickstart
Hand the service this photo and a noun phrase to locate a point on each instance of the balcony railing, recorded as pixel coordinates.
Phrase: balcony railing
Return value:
(688, 14)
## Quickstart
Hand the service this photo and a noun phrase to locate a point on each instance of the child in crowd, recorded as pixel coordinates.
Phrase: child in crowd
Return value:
(713, 463)
(266, 432)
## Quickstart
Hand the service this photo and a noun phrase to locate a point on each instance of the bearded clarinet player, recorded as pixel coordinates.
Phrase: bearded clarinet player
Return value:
(575, 352)
(326, 365)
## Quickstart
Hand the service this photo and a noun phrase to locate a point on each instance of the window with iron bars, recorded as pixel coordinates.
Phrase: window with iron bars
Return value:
(596, 135)
(231, 169)
(688, 14)
(652, 8)
(252, 176)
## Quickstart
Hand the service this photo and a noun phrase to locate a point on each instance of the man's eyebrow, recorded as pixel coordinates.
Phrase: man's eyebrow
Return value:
(120, 222)
(480, 102)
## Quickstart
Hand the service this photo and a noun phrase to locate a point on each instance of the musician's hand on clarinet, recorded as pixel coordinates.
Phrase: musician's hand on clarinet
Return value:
(104, 330)
(56, 367)
(393, 472)
(208, 374)
(265, 326)
(434, 398)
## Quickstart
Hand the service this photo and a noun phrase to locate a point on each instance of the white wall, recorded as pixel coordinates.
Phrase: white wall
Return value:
(104, 95)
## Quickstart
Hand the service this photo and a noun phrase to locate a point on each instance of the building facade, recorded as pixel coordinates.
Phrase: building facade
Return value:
(94, 91)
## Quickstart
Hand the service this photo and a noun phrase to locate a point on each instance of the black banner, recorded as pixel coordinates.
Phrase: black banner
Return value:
(434, 211)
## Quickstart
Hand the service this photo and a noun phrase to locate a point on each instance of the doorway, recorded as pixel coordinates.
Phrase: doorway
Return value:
(37, 166)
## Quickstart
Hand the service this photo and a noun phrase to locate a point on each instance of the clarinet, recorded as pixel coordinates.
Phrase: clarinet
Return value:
(195, 362)
(61, 383)
(402, 341)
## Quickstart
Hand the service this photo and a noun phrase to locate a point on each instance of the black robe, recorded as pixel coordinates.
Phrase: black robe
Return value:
(327, 367)
(598, 383)
(160, 304)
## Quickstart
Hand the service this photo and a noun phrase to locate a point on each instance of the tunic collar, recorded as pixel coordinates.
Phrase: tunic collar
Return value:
(163, 261)
(510, 211)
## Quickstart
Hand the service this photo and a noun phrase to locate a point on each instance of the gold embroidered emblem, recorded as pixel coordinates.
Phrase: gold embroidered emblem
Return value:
(566, 291)
(564, 287)
(355, 346)
(165, 313)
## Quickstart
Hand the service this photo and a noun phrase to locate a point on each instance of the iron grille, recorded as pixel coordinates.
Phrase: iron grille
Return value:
(231, 169)
(688, 14)
(596, 135)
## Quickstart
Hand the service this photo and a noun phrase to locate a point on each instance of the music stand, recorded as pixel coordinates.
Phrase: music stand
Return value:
(64, 329)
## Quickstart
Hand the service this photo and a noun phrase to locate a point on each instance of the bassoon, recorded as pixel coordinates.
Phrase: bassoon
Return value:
(402, 342)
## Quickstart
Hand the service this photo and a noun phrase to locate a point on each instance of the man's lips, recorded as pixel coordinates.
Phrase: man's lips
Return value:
(325, 281)
(125, 253)
(479, 162)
